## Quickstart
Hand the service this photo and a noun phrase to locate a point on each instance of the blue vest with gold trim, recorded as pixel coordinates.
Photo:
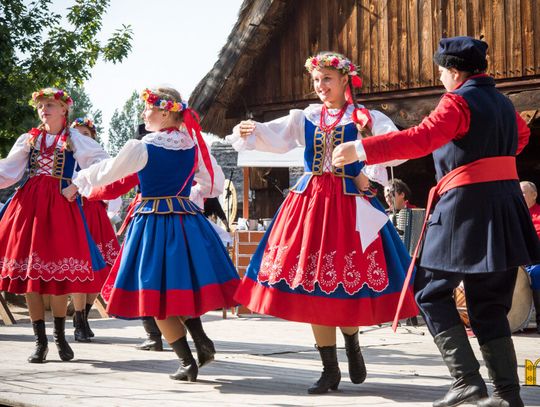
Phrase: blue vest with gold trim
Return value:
(315, 152)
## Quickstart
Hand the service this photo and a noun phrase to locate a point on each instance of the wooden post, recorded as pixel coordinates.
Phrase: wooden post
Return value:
(245, 203)
(5, 313)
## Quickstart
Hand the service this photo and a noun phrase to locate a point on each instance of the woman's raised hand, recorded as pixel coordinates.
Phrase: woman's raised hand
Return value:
(246, 128)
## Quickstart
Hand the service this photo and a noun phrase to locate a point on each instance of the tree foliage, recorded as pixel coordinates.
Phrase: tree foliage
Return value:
(82, 107)
(124, 123)
(38, 49)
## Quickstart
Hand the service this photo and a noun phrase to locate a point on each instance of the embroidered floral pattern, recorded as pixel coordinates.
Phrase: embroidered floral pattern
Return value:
(306, 272)
(34, 267)
(110, 253)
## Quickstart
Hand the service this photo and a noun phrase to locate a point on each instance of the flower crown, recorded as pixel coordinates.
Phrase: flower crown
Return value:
(165, 104)
(80, 121)
(52, 93)
(342, 64)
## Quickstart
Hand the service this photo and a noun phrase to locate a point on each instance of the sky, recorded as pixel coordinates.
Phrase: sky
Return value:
(175, 42)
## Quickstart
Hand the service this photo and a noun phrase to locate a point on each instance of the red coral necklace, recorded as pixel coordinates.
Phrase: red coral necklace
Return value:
(328, 128)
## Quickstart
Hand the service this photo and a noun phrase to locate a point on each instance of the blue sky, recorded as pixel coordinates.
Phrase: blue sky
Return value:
(175, 42)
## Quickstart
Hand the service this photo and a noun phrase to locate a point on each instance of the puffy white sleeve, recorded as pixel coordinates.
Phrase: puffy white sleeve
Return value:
(203, 188)
(277, 136)
(130, 159)
(12, 167)
(86, 150)
(381, 125)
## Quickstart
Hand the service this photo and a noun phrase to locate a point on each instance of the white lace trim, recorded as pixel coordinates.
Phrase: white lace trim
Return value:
(313, 114)
(176, 140)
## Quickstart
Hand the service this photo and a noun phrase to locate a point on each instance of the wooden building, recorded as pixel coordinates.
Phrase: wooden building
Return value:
(260, 70)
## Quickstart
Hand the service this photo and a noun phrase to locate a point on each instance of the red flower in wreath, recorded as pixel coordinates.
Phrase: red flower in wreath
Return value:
(334, 62)
(152, 99)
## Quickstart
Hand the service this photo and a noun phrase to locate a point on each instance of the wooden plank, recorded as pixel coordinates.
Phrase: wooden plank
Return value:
(374, 41)
(245, 199)
(364, 17)
(426, 44)
(101, 306)
(384, 47)
(535, 4)
(514, 47)
(527, 36)
(414, 46)
(404, 56)
(461, 17)
(498, 38)
(393, 41)
(5, 313)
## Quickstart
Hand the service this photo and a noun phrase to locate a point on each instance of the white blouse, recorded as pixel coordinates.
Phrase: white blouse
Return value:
(133, 157)
(85, 150)
(286, 133)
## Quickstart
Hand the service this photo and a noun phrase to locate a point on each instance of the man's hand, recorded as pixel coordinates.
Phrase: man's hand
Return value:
(246, 128)
(344, 154)
(70, 192)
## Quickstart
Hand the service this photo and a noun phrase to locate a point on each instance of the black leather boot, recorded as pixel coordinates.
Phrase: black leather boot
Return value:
(80, 333)
(64, 350)
(501, 362)
(468, 385)
(153, 334)
(203, 344)
(331, 375)
(40, 352)
(536, 299)
(357, 367)
(86, 325)
(188, 369)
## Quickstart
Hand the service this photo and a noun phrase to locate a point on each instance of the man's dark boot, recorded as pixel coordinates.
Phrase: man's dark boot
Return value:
(59, 334)
(357, 367)
(331, 375)
(188, 369)
(468, 385)
(501, 362)
(203, 344)
(80, 333)
(153, 334)
(536, 299)
(87, 326)
(40, 352)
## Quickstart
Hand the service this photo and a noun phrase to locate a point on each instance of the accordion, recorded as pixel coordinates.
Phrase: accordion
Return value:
(408, 223)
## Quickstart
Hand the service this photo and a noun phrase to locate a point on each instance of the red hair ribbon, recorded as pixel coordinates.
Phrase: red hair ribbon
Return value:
(362, 117)
(191, 120)
(356, 81)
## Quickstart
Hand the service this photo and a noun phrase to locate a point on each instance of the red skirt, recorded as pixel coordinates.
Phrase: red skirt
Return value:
(314, 242)
(44, 247)
(105, 239)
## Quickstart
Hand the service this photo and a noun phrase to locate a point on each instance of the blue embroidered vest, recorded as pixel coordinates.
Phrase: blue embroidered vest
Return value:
(166, 181)
(315, 152)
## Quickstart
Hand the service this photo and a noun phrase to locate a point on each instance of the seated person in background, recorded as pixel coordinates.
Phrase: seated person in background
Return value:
(397, 193)
(530, 193)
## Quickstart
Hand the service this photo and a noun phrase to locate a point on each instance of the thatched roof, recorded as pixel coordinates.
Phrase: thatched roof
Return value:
(257, 21)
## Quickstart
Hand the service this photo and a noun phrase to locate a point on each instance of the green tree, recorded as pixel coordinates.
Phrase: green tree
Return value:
(82, 107)
(124, 123)
(38, 49)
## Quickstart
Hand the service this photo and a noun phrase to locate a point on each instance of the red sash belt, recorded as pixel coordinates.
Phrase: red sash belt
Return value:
(483, 170)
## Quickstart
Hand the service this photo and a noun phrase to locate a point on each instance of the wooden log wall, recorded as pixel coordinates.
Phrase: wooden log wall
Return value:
(393, 42)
